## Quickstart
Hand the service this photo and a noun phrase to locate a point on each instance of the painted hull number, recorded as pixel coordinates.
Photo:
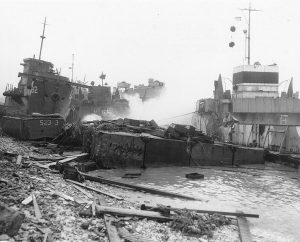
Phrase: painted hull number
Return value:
(48, 122)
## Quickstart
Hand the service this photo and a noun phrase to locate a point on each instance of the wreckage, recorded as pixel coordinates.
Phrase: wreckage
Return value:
(137, 143)
(47, 206)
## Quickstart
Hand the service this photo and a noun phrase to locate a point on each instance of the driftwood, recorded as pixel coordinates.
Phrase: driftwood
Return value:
(135, 187)
(238, 214)
(95, 190)
(131, 212)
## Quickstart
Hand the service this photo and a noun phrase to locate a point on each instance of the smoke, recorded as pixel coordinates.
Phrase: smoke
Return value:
(170, 107)
(91, 117)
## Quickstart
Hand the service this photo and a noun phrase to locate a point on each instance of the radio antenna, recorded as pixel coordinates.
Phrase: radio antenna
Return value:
(249, 21)
(42, 37)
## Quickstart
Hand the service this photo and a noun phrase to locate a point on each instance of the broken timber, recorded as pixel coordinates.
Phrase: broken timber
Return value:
(61, 163)
(37, 211)
(237, 214)
(19, 160)
(95, 190)
(244, 231)
(64, 196)
(131, 212)
(135, 187)
(27, 200)
(112, 232)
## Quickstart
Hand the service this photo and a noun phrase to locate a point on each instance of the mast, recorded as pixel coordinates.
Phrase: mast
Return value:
(72, 66)
(249, 26)
(42, 37)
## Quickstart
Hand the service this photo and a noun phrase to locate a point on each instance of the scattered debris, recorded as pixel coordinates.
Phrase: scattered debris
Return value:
(110, 224)
(61, 163)
(198, 225)
(131, 212)
(56, 214)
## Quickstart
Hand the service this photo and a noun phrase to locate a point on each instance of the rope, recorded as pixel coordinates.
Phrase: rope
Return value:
(176, 116)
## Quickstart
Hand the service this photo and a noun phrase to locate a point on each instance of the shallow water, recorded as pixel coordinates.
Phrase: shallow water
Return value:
(271, 191)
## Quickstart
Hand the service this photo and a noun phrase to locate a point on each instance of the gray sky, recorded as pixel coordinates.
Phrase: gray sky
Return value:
(183, 43)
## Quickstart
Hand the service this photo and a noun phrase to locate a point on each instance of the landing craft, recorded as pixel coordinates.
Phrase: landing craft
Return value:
(255, 114)
(44, 100)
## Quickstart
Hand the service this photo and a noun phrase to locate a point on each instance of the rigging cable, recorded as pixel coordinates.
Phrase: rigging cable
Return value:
(176, 116)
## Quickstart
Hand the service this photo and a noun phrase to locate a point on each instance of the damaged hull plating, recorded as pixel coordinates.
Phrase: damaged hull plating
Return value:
(126, 149)
(31, 128)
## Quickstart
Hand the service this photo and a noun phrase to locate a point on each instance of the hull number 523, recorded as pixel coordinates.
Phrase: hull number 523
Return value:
(48, 122)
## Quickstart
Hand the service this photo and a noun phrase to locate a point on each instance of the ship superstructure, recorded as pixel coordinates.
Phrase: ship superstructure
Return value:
(255, 114)
(153, 90)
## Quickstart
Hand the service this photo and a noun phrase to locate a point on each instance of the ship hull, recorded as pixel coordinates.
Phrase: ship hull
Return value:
(32, 128)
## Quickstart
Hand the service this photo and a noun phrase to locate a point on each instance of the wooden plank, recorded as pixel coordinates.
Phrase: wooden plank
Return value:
(240, 214)
(65, 196)
(40, 165)
(27, 200)
(112, 232)
(52, 158)
(94, 208)
(95, 190)
(136, 187)
(83, 191)
(75, 157)
(131, 212)
(244, 231)
(37, 211)
(19, 160)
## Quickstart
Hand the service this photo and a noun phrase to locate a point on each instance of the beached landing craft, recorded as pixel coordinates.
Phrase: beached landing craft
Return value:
(255, 115)
(39, 105)
(44, 100)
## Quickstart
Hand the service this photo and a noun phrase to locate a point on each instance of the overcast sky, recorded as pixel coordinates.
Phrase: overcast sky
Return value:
(183, 43)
